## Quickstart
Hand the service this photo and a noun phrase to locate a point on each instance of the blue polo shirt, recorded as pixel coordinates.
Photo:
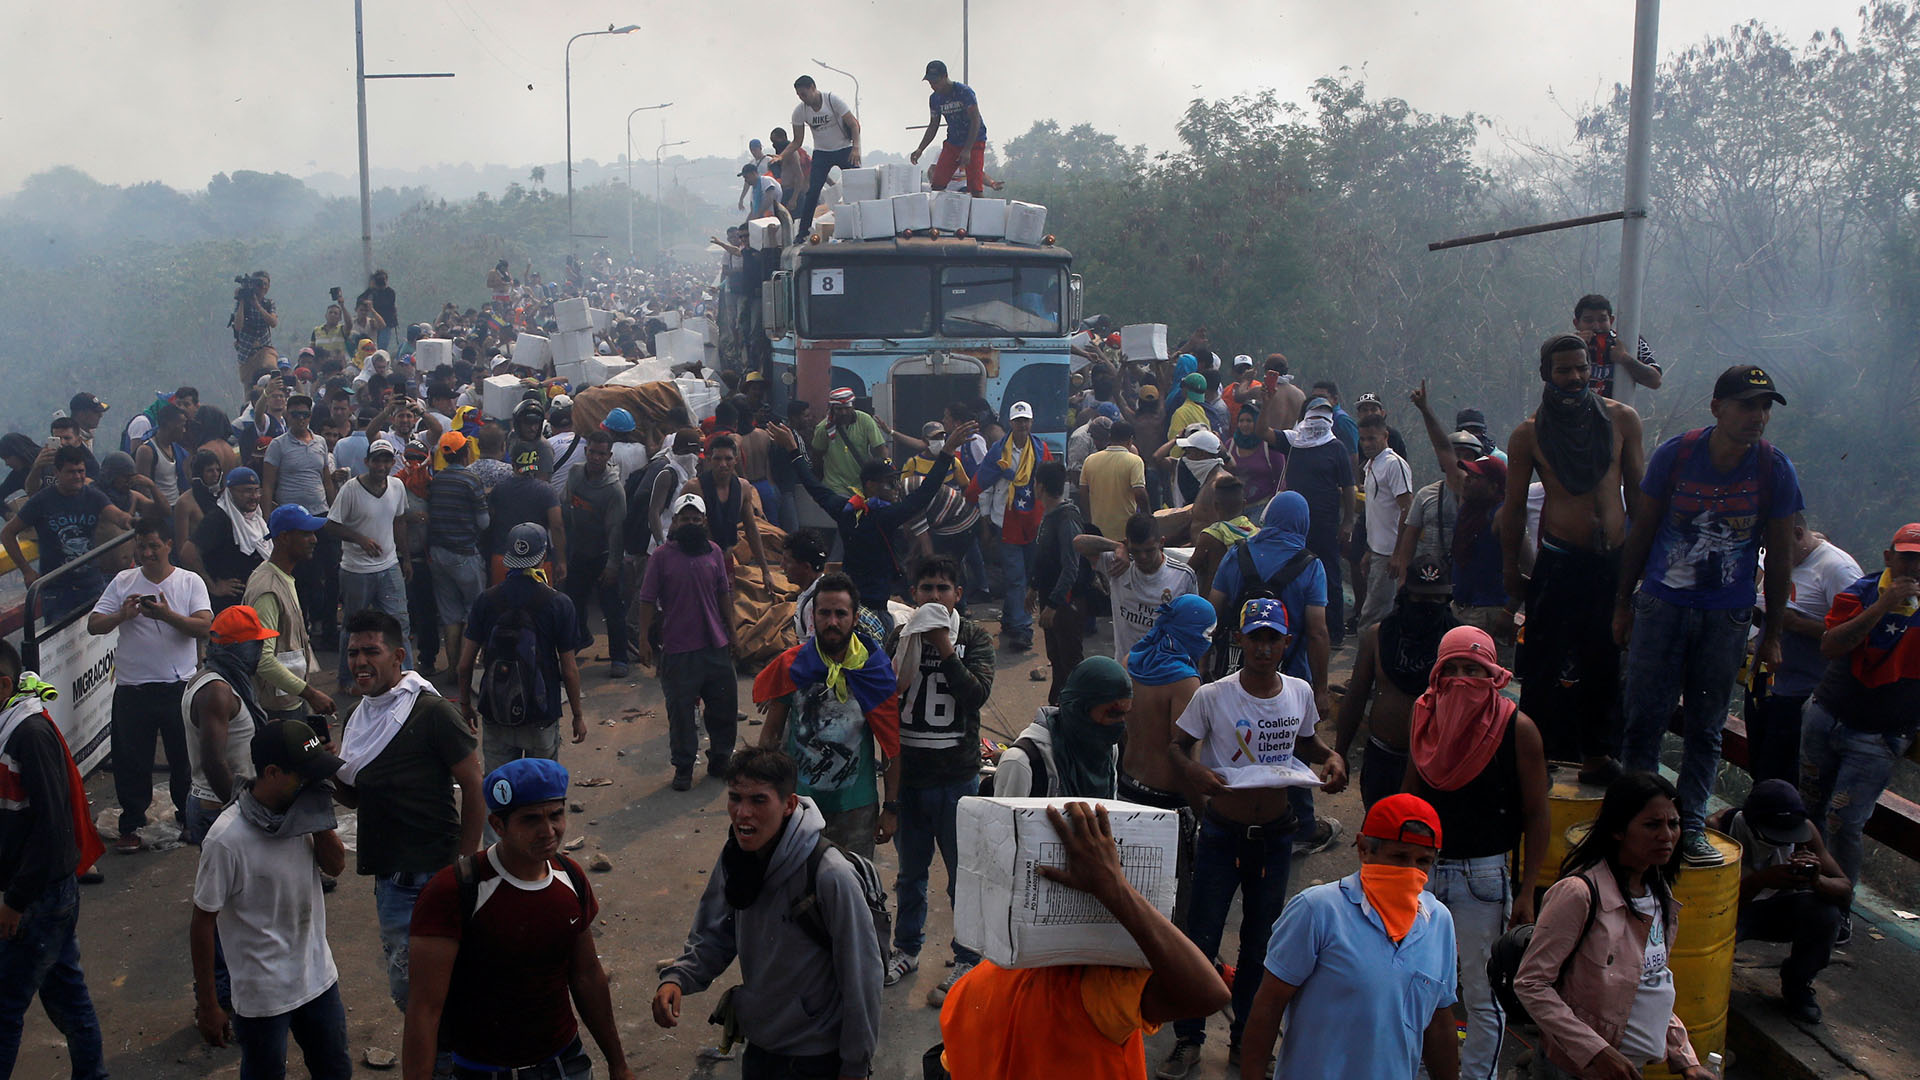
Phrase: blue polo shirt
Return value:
(1364, 1003)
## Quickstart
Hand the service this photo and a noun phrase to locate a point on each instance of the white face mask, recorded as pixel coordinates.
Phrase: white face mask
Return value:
(687, 462)
(935, 446)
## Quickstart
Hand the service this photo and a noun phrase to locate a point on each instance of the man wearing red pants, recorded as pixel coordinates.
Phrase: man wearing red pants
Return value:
(966, 132)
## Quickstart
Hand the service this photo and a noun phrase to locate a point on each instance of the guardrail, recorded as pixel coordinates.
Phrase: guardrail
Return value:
(33, 633)
(1895, 821)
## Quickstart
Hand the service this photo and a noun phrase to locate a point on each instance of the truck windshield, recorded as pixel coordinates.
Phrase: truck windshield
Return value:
(868, 300)
(1000, 301)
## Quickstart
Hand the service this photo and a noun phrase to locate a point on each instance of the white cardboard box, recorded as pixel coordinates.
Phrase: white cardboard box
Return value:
(913, 212)
(876, 219)
(531, 350)
(1016, 918)
(599, 369)
(499, 394)
(431, 352)
(571, 346)
(859, 185)
(763, 234)
(950, 210)
(574, 373)
(897, 179)
(642, 372)
(1144, 341)
(680, 346)
(1026, 223)
(602, 320)
(846, 221)
(572, 314)
(987, 219)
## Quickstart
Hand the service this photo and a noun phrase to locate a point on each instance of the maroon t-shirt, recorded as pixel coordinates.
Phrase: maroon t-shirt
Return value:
(508, 1003)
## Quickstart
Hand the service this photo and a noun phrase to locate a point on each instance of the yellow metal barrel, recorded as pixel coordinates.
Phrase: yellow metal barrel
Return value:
(1569, 804)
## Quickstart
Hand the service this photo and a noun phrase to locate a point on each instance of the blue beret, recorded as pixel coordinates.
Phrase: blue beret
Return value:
(523, 782)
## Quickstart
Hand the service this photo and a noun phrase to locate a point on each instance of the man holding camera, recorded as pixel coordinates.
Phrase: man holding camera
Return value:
(252, 324)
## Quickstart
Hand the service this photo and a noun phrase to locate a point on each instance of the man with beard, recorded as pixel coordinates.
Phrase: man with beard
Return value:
(228, 544)
(286, 661)
(776, 855)
(689, 595)
(1390, 670)
(1586, 450)
(404, 749)
(842, 697)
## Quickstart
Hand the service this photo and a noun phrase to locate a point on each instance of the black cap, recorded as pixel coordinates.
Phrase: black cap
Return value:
(936, 69)
(1744, 382)
(750, 169)
(84, 400)
(1469, 419)
(1427, 576)
(292, 746)
(1776, 815)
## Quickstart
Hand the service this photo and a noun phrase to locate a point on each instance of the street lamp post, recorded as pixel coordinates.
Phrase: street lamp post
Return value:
(850, 75)
(567, 54)
(360, 78)
(659, 219)
(630, 116)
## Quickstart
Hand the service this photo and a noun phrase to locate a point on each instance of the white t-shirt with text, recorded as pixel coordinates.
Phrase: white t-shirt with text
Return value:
(824, 122)
(1137, 598)
(1240, 731)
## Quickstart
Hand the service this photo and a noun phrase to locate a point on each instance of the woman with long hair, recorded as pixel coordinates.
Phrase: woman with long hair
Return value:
(1595, 977)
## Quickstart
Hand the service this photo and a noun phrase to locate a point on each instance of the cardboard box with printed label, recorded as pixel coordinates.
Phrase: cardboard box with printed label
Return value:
(876, 219)
(1026, 223)
(1016, 918)
(987, 219)
(430, 353)
(912, 213)
(899, 180)
(499, 394)
(572, 314)
(950, 210)
(529, 350)
(859, 185)
(1144, 341)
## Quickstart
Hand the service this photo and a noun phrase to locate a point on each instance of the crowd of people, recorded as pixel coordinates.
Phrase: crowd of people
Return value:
(1233, 526)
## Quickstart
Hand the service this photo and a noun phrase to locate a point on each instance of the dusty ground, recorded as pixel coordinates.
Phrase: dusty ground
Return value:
(662, 844)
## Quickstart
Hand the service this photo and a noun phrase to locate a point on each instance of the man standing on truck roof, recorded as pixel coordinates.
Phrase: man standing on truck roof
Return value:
(836, 141)
(966, 132)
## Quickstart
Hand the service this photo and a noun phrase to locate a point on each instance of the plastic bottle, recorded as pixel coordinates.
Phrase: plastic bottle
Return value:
(1717, 1066)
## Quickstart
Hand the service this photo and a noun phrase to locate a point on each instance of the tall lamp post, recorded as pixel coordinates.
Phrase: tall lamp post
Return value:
(568, 59)
(850, 75)
(630, 116)
(659, 219)
(360, 78)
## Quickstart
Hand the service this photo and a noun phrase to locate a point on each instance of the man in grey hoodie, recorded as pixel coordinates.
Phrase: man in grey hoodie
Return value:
(804, 1006)
(596, 509)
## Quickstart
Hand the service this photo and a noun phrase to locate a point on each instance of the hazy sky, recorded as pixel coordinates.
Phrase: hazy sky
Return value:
(178, 91)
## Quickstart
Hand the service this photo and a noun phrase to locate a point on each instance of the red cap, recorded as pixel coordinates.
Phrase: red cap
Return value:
(240, 623)
(1390, 817)
(1487, 468)
(1908, 538)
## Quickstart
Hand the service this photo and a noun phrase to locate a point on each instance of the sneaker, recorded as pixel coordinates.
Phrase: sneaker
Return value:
(683, 779)
(617, 670)
(129, 843)
(1697, 850)
(938, 994)
(900, 964)
(1845, 937)
(1801, 1004)
(1325, 832)
(1180, 1062)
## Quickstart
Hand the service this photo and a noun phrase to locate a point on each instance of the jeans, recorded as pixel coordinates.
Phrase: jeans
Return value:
(383, 589)
(43, 958)
(1693, 655)
(500, 744)
(572, 1060)
(1226, 859)
(1016, 560)
(583, 584)
(1380, 589)
(927, 819)
(1843, 770)
(701, 677)
(393, 897)
(1808, 921)
(758, 1064)
(770, 501)
(141, 712)
(458, 580)
(1327, 549)
(1567, 663)
(320, 1029)
(824, 161)
(1773, 737)
(1476, 891)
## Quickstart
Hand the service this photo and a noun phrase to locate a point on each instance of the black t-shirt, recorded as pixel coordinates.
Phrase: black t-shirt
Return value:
(555, 625)
(383, 302)
(1318, 473)
(521, 499)
(409, 822)
(64, 523)
(220, 556)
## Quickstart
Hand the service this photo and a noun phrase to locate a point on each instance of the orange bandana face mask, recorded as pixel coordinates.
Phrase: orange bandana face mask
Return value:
(1394, 892)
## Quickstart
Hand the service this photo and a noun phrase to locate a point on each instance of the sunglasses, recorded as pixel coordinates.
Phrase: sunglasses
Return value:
(299, 414)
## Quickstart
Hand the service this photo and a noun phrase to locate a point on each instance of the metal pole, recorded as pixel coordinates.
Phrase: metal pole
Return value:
(366, 192)
(1526, 230)
(966, 24)
(1633, 230)
(663, 128)
(848, 74)
(659, 226)
(567, 55)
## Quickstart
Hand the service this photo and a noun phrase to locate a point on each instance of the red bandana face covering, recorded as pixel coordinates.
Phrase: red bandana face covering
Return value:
(1394, 892)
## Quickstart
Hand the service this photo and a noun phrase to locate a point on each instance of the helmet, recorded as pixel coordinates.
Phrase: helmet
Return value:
(619, 420)
(526, 546)
(529, 407)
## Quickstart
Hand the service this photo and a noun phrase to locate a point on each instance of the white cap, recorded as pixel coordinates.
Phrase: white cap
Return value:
(1020, 411)
(686, 500)
(1204, 441)
(1243, 360)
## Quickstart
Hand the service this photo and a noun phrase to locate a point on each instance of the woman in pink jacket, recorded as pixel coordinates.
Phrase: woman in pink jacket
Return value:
(1600, 989)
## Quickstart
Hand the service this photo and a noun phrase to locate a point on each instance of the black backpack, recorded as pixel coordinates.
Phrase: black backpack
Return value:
(1253, 587)
(1503, 960)
(636, 530)
(513, 690)
(806, 909)
(1036, 760)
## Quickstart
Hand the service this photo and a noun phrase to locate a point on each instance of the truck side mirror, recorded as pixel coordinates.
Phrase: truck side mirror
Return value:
(1075, 296)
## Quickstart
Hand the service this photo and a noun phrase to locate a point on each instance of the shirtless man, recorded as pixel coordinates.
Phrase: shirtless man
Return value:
(1387, 680)
(1587, 452)
(1284, 400)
